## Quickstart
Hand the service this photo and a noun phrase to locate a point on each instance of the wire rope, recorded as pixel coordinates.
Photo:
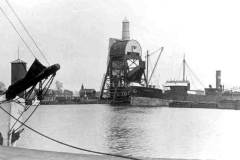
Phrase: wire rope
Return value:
(68, 145)
(14, 27)
(26, 30)
(194, 75)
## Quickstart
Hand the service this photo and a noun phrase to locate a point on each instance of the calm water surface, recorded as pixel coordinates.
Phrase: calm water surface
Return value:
(148, 132)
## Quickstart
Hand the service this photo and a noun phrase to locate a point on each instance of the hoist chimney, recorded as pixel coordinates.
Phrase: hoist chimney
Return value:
(125, 30)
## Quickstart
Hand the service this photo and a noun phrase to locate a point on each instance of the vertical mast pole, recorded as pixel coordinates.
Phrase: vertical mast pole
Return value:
(147, 68)
(184, 64)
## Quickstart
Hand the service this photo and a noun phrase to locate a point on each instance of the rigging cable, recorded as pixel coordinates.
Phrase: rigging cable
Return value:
(69, 145)
(46, 87)
(36, 106)
(25, 43)
(24, 106)
(27, 117)
(155, 51)
(194, 75)
(191, 79)
(161, 50)
(26, 30)
(16, 121)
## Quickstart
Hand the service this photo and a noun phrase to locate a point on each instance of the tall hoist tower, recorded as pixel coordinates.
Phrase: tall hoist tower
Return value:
(125, 67)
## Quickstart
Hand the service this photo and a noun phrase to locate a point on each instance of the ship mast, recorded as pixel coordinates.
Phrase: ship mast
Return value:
(147, 67)
(147, 59)
(184, 64)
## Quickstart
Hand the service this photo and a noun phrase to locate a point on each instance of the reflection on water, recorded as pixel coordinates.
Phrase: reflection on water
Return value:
(123, 132)
(136, 131)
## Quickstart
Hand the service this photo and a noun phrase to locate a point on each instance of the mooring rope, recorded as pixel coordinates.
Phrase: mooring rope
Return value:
(27, 117)
(46, 87)
(69, 145)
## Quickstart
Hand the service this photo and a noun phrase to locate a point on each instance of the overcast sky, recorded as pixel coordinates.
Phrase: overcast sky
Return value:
(75, 33)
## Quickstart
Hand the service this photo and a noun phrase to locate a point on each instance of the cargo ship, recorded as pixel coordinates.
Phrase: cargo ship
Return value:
(181, 95)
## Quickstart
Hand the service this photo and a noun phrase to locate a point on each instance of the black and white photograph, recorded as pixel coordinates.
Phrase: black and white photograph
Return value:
(119, 80)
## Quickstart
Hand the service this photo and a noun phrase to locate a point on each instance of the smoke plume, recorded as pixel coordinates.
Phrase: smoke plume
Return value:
(59, 85)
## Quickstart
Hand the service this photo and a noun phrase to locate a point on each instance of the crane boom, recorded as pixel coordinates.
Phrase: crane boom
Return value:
(161, 50)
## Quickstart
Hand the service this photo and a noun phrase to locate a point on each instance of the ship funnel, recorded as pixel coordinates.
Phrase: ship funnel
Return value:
(218, 80)
(125, 29)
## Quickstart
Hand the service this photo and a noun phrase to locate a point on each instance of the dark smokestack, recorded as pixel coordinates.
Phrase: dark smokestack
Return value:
(218, 79)
(19, 70)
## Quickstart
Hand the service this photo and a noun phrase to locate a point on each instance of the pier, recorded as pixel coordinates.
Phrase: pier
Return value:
(14, 153)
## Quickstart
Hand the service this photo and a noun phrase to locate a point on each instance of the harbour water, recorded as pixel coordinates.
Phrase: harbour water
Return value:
(157, 132)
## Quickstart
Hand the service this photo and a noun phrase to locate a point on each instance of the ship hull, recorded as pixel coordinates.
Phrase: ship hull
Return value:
(140, 96)
(153, 97)
(149, 102)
